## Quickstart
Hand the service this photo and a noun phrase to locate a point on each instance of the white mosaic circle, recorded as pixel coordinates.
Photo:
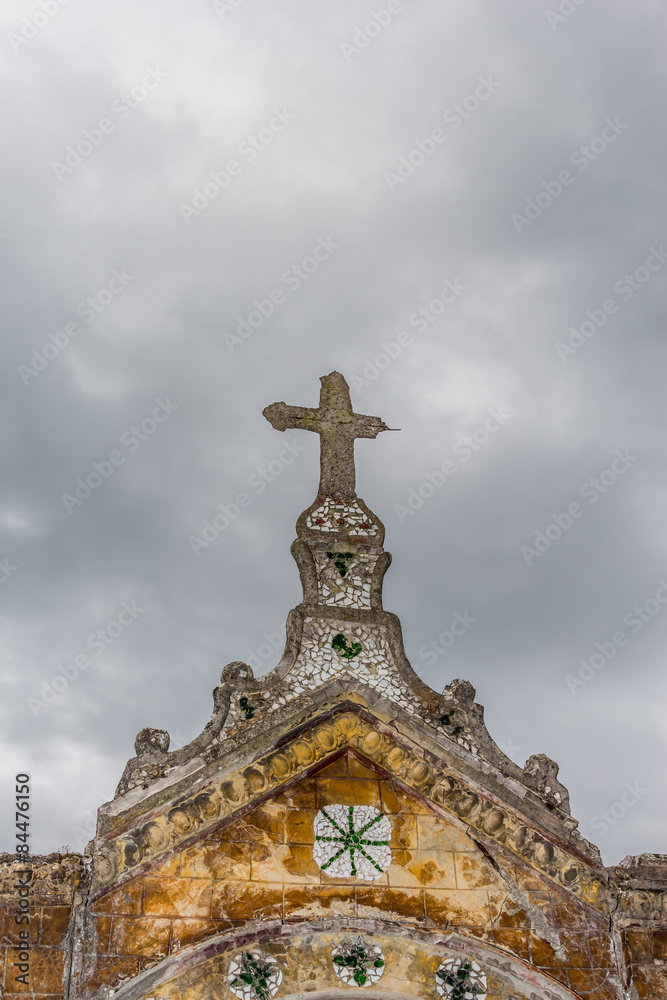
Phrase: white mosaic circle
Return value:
(352, 842)
(358, 964)
(253, 976)
(460, 979)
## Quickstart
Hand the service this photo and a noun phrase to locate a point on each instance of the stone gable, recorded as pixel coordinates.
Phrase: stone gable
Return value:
(258, 869)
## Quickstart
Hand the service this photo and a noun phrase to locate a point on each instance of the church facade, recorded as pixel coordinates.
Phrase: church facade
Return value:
(337, 827)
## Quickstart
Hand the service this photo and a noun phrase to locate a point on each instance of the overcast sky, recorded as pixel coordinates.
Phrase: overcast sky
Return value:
(457, 205)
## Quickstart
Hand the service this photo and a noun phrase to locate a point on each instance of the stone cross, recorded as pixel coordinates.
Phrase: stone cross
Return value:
(338, 426)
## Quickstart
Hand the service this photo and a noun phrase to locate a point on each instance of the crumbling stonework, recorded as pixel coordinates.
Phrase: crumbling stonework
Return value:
(337, 810)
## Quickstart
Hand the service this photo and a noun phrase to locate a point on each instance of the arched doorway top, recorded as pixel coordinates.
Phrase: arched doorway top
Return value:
(305, 951)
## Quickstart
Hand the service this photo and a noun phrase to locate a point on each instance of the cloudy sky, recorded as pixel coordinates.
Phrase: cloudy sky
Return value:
(209, 205)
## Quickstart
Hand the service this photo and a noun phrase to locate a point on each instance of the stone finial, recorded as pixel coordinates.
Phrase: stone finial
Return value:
(151, 741)
(152, 749)
(338, 426)
(541, 768)
(459, 691)
(541, 773)
(236, 672)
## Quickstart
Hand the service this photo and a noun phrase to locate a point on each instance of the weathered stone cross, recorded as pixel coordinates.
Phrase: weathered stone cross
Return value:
(338, 426)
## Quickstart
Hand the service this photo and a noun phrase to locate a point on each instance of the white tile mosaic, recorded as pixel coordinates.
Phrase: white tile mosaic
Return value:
(352, 842)
(358, 963)
(337, 515)
(344, 578)
(460, 979)
(320, 660)
(253, 976)
(330, 648)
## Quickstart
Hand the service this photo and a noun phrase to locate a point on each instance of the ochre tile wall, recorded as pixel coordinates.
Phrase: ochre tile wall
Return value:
(49, 921)
(261, 867)
(646, 954)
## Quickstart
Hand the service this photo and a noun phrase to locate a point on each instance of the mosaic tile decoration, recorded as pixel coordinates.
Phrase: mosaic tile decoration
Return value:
(339, 516)
(358, 963)
(318, 662)
(353, 589)
(460, 979)
(253, 976)
(352, 842)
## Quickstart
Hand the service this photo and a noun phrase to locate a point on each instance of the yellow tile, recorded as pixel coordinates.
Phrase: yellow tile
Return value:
(465, 907)
(177, 897)
(436, 832)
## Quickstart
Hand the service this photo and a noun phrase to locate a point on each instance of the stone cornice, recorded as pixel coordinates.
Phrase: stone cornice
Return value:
(207, 808)
(238, 751)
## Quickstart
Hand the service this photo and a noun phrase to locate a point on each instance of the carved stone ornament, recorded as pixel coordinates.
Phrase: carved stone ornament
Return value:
(199, 812)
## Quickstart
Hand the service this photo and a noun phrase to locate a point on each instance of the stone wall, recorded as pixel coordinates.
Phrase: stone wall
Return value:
(50, 887)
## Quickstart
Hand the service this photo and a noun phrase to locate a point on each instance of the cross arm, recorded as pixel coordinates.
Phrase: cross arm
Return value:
(281, 417)
(369, 427)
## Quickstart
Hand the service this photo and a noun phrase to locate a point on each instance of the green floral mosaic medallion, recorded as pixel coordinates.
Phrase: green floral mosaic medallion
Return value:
(339, 643)
(246, 707)
(460, 979)
(357, 963)
(352, 841)
(340, 560)
(254, 977)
